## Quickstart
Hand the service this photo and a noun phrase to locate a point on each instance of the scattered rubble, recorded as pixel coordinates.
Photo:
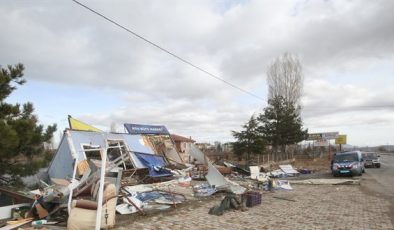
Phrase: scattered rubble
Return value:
(95, 175)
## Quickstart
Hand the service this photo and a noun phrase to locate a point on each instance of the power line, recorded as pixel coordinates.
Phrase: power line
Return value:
(168, 52)
(347, 107)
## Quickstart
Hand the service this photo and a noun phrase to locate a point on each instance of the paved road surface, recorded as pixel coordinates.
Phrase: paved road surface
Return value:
(380, 181)
(305, 207)
(369, 206)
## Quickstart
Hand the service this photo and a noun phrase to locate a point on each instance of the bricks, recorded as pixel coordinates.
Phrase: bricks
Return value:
(315, 207)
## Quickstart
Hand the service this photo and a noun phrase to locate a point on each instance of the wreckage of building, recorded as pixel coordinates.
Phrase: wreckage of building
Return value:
(94, 175)
(126, 151)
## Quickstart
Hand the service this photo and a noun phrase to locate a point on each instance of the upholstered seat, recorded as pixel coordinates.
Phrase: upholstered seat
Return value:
(83, 212)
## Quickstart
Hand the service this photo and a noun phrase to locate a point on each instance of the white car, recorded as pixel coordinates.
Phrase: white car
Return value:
(371, 159)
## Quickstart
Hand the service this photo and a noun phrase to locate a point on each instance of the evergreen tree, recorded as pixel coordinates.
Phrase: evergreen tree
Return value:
(22, 138)
(249, 140)
(281, 123)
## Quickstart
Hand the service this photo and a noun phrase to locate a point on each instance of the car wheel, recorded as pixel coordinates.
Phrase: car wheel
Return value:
(378, 165)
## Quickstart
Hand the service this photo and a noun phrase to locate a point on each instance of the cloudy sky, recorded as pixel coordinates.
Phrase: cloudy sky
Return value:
(79, 64)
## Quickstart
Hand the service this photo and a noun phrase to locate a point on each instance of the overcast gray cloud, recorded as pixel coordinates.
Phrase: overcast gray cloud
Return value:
(345, 47)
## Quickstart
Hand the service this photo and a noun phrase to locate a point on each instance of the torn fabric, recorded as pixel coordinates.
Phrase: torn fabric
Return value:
(155, 163)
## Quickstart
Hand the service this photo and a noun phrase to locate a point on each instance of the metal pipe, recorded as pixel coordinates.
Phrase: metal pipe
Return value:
(101, 188)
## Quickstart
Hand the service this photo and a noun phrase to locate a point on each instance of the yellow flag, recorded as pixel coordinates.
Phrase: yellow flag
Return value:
(79, 125)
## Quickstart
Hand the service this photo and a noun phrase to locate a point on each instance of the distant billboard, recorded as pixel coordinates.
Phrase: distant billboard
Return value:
(330, 135)
(322, 136)
(341, 140)
(314, 136)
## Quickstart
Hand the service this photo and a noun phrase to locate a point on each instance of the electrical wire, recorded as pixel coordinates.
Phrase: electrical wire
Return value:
(167, 51)
(213, 75)
(309, 108)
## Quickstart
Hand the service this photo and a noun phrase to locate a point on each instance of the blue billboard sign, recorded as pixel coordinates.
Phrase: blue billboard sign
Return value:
(146, 129)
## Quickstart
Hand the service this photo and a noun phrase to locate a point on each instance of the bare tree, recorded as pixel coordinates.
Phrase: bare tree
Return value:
(285, 78)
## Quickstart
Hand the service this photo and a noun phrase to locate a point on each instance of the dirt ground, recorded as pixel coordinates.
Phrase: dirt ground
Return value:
(317, 164)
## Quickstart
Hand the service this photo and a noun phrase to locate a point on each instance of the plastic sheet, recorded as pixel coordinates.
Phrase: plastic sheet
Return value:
(155, 163)
(203, 190)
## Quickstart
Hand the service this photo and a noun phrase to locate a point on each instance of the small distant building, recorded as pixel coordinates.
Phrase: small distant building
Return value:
(182, 145)
(208, 147)
(204, 147)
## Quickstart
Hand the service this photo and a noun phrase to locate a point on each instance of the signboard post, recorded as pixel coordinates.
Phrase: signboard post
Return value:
(323, 139)
(341, 140)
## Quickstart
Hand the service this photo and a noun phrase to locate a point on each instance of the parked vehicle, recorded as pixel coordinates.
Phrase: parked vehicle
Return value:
(371, 159)
(348, 163)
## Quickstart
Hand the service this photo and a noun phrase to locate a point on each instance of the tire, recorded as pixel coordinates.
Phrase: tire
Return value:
(378, 166)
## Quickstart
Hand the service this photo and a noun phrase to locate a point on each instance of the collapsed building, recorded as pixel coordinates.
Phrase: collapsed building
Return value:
(124, 150)
(145, 154)
(95, 174)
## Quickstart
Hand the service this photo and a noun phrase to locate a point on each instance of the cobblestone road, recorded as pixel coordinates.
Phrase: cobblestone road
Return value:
(315, 207)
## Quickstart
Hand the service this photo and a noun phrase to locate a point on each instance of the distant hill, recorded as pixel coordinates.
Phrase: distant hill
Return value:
(381, 148)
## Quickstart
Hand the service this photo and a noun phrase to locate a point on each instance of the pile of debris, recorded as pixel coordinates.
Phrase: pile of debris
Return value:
(95, 175)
